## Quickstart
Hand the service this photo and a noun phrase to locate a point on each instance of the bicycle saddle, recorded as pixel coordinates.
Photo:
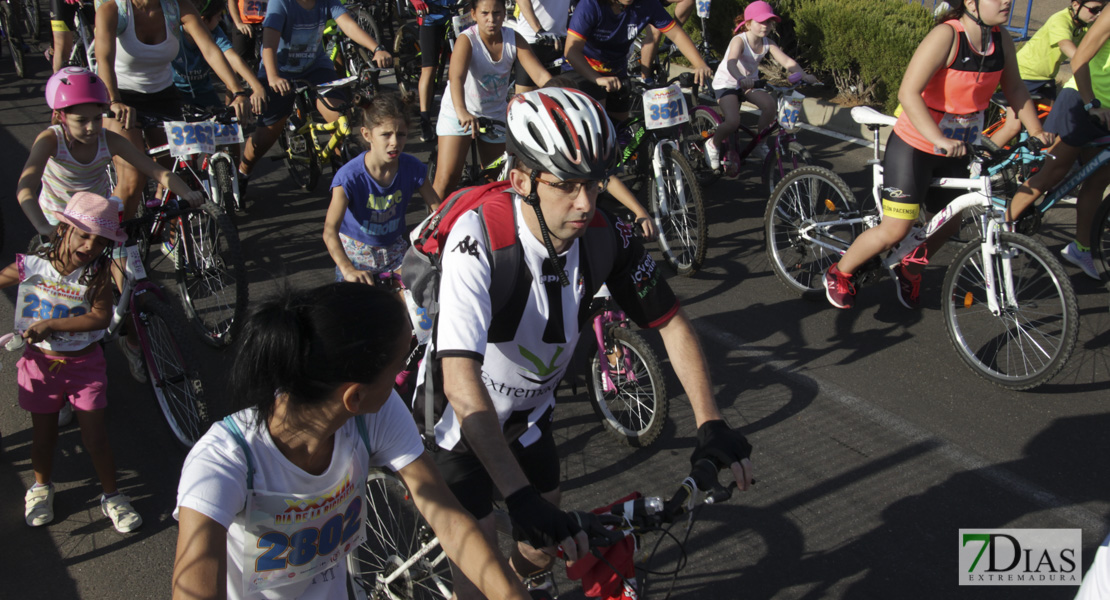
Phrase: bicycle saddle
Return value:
(865, 115)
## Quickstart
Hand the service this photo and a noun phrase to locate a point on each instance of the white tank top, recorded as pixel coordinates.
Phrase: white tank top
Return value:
(487, 82)
(144, 67)
(748, 62)
(46, 294)
(64, 176)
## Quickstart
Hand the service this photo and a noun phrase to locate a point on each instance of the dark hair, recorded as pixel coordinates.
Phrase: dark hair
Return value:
(562, 81)
(472, 5)
(307, 343)
(209, 8)
(383, 107)
(953, 12)
(96, 274)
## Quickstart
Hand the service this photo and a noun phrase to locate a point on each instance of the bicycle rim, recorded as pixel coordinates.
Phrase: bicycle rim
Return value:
(1032, 338)
(211, 274)
(635, 411)
(806, 199)
(395, 532)
(176, 385)
(15, 46)
(681, 219)
(367, 23)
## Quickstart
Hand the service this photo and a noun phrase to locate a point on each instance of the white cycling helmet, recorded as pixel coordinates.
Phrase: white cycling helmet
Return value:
(563, 132)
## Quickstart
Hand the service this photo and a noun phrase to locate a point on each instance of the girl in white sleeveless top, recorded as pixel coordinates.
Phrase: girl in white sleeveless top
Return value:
(478, 86)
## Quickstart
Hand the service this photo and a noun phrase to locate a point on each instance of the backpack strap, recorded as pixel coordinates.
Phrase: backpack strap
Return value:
(233, 428)
(363, 433)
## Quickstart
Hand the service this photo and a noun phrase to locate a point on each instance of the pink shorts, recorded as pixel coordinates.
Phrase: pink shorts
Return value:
(46, 383)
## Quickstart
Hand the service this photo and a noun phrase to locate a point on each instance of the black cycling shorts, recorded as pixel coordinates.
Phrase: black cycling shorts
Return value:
(473, 486)
(907, 173)
(545, 54)
(431, 37)
(62, 14)
(164, 103)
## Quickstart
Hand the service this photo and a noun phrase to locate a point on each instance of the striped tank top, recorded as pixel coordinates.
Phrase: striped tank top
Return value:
(64, 176)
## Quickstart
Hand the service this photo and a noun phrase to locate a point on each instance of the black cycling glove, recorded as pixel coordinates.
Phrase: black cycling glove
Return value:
(537, 521)
(720, 444)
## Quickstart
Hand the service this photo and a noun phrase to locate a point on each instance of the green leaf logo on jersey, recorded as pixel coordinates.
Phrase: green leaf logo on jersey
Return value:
(542, 370)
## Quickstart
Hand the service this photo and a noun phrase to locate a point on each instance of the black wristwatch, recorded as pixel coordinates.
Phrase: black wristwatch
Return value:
(1092, 104)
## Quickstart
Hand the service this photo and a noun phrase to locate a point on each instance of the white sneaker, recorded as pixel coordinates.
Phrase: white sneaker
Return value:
(118, 509)
(134, 360)
(1081, 259)
(65, 416)
(38, 507)
(712, 155)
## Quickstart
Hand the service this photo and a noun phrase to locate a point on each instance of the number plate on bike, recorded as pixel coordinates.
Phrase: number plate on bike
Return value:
(703, 9)
(228, 135)
(186, 139)
(665, 107)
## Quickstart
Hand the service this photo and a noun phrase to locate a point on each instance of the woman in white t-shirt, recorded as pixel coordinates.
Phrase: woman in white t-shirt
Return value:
(478, 86)
(273, 495)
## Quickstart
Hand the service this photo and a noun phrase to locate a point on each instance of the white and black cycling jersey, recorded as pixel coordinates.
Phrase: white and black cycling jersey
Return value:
(526, 347)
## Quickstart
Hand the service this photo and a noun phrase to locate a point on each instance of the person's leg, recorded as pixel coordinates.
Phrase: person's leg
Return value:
(768, 110)
(730, 113)
(449, 162)
(1061, 156)
(431, 37)
(489, 151)
(1090, 195)
(1010, 128)
(682, 11)
(44, 438)
(94, 435)
(129, 181)
(63, 45)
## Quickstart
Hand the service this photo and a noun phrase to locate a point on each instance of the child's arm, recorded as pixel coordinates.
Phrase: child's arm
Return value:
(625, 196)
(732, 63)
(428, 194)
(9, 276)
(788, 63)
(702, 73)
(104, 45)
(258, 90)
(30, 181)
(270, 39)
(336, 211)
(98, 317)
(120, 146)
(200, 568)
(349, 26)
(191, 23)
(456, 74)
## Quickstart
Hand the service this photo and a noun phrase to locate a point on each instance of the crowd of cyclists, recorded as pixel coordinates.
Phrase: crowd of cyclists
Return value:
(317, 379)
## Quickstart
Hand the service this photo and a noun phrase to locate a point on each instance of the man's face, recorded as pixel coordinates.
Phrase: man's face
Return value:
(568, 206)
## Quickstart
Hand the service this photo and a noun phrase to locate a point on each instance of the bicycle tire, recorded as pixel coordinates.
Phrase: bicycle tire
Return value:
(703, 124)
(395, 532)
(807, 196)
(634, 414)
(32, 18)
(15, 45)
(1026, 345)
(79, 57)
(223, 186)
(170, 361)
(368, 24)
(1100, 238)
(683, 231)
(305, 170)
(406, 59)
(794, 155)
(211, 274)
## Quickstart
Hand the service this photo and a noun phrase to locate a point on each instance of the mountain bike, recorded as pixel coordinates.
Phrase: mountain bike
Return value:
(83, 53)
(1008, 306)
(300, 144)
(402, 559)
(652, 153)
(348, 57)
(11, 38)
(625, 384)
(473, 172)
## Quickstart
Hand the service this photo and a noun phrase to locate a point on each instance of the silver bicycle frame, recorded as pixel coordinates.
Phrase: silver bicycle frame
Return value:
(660, 184)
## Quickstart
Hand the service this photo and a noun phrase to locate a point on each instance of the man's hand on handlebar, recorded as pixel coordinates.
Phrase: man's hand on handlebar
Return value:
(726, 448)
(258, 100)
(242, 107)
(1046, 138)
(382, 58)
(542, 525)
(123, 113)
(609, 84)
(245, 29)
(950, 148)
(420, 7)
(281, 86)
(703, 75)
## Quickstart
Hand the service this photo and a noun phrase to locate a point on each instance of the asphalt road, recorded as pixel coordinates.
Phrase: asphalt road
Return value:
(873, 442)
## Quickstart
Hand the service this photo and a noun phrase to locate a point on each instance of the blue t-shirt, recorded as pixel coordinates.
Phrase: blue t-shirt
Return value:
(440, 12)
(301, 47)
(376, 213)
(191, 72)
(609, 36)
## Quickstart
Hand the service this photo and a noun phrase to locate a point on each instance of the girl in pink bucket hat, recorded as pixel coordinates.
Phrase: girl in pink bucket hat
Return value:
(63, 306)
(737, 73)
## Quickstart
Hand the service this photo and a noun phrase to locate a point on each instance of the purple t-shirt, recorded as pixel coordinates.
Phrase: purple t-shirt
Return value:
(609, 36)
(376, 213)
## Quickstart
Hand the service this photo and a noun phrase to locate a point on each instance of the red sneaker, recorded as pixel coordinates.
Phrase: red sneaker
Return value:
(908, 287)
(839, 288)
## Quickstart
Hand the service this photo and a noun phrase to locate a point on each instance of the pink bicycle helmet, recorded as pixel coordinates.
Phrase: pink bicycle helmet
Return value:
(74, 85)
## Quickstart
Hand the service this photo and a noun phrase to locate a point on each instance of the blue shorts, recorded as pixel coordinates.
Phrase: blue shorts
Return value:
(1069, 121)
(1042, 88)
(278, 107)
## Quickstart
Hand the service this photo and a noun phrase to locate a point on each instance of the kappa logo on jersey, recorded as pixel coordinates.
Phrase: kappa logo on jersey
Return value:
(625, 230)
(466, 246)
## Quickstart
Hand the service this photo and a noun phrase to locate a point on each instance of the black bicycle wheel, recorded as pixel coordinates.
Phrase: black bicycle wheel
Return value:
(369, 25)
(778, 164)
(683, 231)
(395, 532)
(703, 124)
(223, 186)
(211, 274)
(15, 44)
(300, 153)
(1100, 238)
(635, 410)
(406, 59)
(171, 369)
(1033, 335)
(31, 18)
(805, 227)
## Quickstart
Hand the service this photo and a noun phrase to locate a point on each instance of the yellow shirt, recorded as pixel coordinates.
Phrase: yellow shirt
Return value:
(1100, 75)
(1039, 59)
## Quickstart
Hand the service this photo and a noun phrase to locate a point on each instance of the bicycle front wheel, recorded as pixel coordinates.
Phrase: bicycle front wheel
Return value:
(782, 160)
(170, 365)
(680, 215)
(636, 407)
(395, 533)
(300, 157)
(31, 18)
(1030, 340)
(211, 274)
(811, 219)
(406, 59)
(8, 22)
(223, 188)
(703, 124)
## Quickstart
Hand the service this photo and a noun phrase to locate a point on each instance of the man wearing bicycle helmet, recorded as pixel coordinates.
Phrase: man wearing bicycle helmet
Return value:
(500, 369)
